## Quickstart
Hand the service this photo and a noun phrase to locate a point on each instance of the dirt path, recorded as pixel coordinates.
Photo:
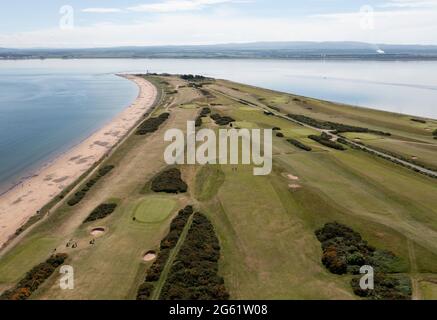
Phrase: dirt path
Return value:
(172, 257)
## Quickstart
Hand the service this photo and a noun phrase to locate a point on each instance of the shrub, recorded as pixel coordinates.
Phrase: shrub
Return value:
(337, 127)
(276, 129)
(205, 112)
(434, 133)
(344, 252)
(169, 181)
(299, 144)
(78, 196)
(176, 228)
(152, 124)
(199, 122)
(280, 135)
(418, 120)
(191, 77)
(194, 275)
(145, 291)
(34, 278)
(324, 140)
(386, 287)
(101, 212)
(221, 121)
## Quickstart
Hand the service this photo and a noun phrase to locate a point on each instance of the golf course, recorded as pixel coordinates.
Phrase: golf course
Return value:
(372, 171)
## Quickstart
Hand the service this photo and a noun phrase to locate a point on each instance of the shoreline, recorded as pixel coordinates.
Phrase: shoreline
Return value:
(26, 198)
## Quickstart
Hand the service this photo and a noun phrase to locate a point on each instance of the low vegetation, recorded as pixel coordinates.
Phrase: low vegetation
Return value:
(101, 212)
(222, 120)
(324, 139)
(345, 252)
(205, 112)
(336, 127)
(299, 144)
(176, 228)
(152, 124)
(169, 181)
(194, 274)
(418, 120)
(191, 77)
(78, 196)
(387, 287)
(34, 278)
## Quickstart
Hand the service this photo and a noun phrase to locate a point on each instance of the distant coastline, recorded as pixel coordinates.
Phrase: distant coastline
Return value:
(257, 50)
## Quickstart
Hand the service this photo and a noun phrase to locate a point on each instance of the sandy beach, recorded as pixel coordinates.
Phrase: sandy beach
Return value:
(24, 200)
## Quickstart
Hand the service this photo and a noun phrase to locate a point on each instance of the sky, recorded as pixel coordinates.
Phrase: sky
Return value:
(107, 23)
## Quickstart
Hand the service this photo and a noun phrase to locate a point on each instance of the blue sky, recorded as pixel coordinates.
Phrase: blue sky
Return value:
(97, 23)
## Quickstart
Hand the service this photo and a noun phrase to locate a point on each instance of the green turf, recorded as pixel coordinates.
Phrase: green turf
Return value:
(154, 209)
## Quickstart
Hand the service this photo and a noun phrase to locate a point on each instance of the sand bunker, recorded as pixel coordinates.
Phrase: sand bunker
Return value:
(294, 186)
(414, 158)
(96, 232)
(149, 256)
(292, 177)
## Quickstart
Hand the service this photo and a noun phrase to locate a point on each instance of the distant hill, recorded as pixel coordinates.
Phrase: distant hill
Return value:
(258, 50)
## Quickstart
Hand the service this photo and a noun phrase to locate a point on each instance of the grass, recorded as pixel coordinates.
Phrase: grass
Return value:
(212, 178)
(154, 209)
(429, 290)
(266, 229)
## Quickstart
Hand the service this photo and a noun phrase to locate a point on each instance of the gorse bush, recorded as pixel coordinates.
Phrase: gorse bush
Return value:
(418, 120)
(387, 287)
(194, 274)
(101, 212)
(78, 196)
(191, 77)
(299, 144)
(34, 278)
(169, 181)
(152, 124)
(199, 122)
(205, 112)
(176, 228)
(222, 121)
(337, 127)
(345, 252)
(324, 140)
(145, 291)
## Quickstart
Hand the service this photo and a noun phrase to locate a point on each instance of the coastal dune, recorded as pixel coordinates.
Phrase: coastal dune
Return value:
(25, 199)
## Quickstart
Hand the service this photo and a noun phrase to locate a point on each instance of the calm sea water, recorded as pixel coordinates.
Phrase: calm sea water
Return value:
(48, 106)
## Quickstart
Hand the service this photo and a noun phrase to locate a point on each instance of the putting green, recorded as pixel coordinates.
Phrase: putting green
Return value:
(154, 209)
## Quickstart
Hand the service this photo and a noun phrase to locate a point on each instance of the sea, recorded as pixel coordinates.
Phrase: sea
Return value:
(48, 106)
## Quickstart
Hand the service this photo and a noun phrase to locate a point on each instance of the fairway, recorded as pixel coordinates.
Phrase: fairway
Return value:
(154, 209)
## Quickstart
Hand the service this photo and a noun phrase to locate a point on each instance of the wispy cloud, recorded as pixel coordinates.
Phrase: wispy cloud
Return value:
(179, 5)
(409, 4)
(101, 10)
